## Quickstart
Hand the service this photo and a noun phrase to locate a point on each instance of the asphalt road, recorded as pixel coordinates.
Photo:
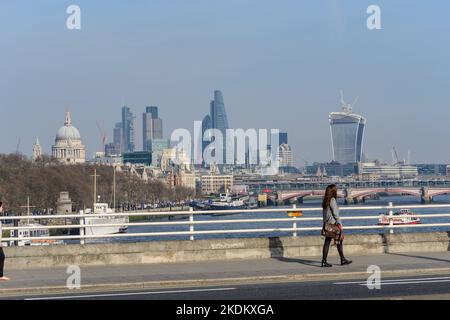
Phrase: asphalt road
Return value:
(424, 287)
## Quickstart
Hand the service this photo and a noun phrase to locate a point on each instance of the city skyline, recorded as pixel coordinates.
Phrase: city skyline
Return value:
(153, 111)
(280, 65)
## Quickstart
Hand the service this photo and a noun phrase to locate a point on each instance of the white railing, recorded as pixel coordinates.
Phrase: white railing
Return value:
(191, 222)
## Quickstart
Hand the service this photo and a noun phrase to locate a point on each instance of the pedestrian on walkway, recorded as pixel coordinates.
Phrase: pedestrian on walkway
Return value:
(2, 255)
(332, 226)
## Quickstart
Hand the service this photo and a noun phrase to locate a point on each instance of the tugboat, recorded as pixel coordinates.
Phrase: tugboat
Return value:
(402, 217)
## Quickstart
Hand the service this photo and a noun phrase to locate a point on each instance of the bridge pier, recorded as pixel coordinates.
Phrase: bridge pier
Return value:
(348, 196)
(349, 201)
(426, 198)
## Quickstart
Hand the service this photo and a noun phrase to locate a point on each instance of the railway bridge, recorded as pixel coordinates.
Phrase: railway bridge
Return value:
(358, 195)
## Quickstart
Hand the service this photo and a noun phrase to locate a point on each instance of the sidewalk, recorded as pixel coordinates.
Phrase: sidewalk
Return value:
(221, 272)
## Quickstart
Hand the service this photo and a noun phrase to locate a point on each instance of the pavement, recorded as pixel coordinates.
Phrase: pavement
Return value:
(207, 275)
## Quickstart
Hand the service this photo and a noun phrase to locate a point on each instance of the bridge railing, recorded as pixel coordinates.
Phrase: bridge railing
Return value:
(193, 219)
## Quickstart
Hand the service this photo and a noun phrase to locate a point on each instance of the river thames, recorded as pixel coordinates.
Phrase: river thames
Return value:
(382, 201)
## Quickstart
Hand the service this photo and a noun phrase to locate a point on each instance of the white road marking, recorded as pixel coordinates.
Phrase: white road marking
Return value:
(400, 281)
(130, 294)
(409, 282)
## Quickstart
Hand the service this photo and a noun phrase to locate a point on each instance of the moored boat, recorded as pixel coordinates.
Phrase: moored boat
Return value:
(105, 216)
(32, 230)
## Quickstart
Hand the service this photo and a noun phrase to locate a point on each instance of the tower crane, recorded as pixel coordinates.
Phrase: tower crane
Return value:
(102, 136)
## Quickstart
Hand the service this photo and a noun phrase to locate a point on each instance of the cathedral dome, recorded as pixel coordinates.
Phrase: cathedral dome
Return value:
(68, 148)
(68, 132)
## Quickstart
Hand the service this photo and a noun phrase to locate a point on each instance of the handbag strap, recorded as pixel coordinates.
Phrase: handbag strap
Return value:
(332, 213)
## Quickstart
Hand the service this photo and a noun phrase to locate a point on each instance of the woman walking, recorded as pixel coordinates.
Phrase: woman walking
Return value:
(332, 226)
(2, 255)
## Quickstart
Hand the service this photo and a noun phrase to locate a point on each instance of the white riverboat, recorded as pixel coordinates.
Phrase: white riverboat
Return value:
(105, 216)
(402, 217)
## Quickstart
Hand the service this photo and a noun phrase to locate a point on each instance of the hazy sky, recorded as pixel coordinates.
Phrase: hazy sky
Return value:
(280, 64)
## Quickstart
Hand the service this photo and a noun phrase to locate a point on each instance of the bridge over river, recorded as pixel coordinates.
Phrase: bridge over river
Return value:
(257, 184)
(358, 195)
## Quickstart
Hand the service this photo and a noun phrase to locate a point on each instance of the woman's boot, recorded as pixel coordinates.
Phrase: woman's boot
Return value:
(340, 248)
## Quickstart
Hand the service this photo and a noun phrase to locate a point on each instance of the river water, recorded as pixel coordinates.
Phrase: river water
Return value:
(383, 201)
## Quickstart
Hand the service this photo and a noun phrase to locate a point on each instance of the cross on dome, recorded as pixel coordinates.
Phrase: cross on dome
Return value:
(68, 121)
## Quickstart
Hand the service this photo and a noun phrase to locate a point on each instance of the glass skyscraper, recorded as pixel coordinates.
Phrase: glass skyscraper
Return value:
(128, 130)
(347, 135)
(118, 136)
(283, 138)
(152, 127)
(218, 118)
(206, 125)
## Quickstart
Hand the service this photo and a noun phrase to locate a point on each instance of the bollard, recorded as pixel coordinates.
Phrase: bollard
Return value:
(391, 218)
(294, 213)
(191, 225)
(294, 223)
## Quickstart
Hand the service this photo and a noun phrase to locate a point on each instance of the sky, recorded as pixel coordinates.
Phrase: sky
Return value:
(280, 64)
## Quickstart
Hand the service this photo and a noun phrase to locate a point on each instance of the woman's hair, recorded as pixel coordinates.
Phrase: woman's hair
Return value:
(330, 192)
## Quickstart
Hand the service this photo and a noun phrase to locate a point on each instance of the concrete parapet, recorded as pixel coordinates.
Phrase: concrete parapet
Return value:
(217, 249)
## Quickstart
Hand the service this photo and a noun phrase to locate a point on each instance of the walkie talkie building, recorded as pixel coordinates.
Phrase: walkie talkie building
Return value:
(347, 135)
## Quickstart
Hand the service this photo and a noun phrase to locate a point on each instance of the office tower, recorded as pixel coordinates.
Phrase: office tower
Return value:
(347, 134)
(152, 127)
(112, 149)
(285, 156)
(283, 138)
(218, 114)
(157, 147)
(219, 118)
(153, 111)
(206, 125)
(118, 137)
(128, 130)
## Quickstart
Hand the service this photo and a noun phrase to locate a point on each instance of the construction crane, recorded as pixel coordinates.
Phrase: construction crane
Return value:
(397, 161)
(18, 146)
(102, 136)
(345, 106)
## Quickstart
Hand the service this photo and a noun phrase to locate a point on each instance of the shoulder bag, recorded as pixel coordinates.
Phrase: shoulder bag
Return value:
(331, 230)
